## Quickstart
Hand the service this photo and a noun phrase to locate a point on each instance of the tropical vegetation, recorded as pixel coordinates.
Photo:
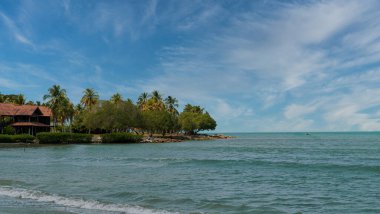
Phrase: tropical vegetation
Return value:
(21, 138)
(63, 138)
(151, 114)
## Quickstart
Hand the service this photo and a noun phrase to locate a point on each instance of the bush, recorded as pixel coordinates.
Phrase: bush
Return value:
(4, 138)
(63, 138)
(9, 130)
(121, 138)
(22, 138)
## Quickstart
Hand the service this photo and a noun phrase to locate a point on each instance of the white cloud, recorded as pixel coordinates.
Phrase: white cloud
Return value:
(298, 66)
(15, 31)
(295, 54)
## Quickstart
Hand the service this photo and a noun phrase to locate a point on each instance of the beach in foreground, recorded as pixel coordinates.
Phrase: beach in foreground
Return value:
(252, 173)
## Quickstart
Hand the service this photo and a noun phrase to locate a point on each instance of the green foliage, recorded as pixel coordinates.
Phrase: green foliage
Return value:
(9, 130)
(160, 121)
(152, 113)
(90, 98)
(62, 108)
(23, 138)
(111, 116)
(63, 138)
(193, 119)
(6, 138)
(121, 138)
(116, 98)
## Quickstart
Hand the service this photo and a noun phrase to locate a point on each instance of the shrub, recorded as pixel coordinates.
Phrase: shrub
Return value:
(80, 138)
(22, 138)
(121, 138)
(4, 138)
(9, 130)
(63, 138)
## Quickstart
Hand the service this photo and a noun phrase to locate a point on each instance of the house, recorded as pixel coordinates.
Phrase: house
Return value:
(26, 119)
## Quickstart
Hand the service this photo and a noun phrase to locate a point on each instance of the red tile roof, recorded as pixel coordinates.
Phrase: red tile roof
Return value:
(9, 109)
(29, 124)
(46, 111)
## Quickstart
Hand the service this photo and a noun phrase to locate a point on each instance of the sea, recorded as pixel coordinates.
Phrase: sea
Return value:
(250, 173)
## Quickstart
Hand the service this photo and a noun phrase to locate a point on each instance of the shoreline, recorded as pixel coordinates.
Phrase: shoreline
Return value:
(182, 138)
(145, 140)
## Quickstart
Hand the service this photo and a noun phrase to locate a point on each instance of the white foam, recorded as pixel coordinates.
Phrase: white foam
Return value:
(75, 203)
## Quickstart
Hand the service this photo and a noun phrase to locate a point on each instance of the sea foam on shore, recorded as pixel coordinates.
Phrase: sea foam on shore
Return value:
(75, 202)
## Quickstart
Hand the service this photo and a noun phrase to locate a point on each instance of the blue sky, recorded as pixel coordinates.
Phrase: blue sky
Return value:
(254, 65)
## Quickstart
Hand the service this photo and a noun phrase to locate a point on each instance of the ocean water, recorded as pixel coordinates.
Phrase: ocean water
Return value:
(252, 173)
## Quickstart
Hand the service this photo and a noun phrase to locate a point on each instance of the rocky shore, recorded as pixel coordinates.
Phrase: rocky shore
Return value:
(181, 138)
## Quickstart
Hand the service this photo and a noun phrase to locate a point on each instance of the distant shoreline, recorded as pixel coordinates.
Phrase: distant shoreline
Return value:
(181, 138)
(146, 139)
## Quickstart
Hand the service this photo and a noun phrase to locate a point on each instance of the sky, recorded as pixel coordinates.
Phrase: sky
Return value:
(253, 65)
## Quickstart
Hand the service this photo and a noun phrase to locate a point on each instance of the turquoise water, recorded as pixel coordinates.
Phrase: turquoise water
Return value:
(253, 173)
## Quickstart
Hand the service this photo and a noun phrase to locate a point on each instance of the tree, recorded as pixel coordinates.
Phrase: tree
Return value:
(206, 122)
(90, 98)
(30, 102)
(77, 123)
(66, 112)
(20, 99)
(142, 100)
(116, 98)
(155, 103)
(55, 98)
(193, 119)
(112, 117)
(171, 104)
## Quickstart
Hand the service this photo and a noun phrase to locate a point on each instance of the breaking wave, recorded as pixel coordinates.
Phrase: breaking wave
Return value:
(75, 202)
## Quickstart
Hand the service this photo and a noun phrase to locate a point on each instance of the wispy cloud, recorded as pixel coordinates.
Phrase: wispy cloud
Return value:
(277, 58)
(283, 66)
(15, 31)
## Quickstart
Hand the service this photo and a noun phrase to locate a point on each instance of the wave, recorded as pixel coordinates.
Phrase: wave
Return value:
(75, 202)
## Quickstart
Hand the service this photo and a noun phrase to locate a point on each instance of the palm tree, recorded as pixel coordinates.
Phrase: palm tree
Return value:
(156, 96)
(54, 99)
(155, 102)
(90, 98)
(142, 100)
(116, 98)
(66, 112)
(171, 104)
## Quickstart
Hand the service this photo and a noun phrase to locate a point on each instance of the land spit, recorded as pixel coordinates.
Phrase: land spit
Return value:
(181, 138)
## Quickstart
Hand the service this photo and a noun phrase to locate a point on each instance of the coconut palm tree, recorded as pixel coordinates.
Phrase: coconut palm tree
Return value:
(142, 100)
(155, 102)
(171, 104)
(90, 98)
(116, 98)
(66, 112)
(156, 96)
(55, 98)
